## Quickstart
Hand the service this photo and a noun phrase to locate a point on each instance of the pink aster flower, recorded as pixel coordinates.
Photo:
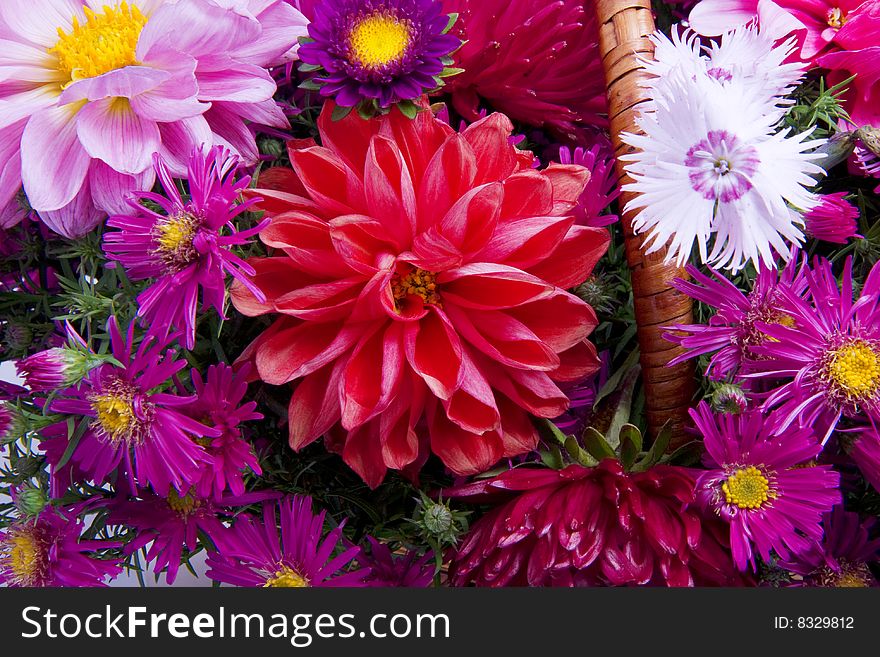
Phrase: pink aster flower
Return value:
(252, 553)
(842, 559)
(829, 356)
(420, 275)
(734, 329)
(392, 569)
(126, 423)
(758, 483)
(218, 404)
(93, 88)
(601, 189)
(536, 61)
(868, 162)
(187, 247)
(834, 220)
(48, 551)
(864, 450)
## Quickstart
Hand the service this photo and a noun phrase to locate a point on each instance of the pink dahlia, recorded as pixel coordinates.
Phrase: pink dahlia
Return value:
(187, 247)
(252, 553)
(421, 277)
(126, 422)
(91, 89)
(536, 61)
(763, 483)
(834, 220)
(591, 527)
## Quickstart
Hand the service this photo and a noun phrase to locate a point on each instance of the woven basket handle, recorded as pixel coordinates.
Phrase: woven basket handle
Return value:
(624, 26)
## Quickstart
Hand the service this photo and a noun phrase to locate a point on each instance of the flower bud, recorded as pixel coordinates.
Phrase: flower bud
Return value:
(30, 500)
(12, 424)
(729, 398)
(56, 368)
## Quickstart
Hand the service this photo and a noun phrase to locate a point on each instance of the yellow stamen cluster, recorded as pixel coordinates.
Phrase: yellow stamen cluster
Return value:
(418, 282)
(850, 575)
(173, 240)
(22, 555)
(854, 370)
(105, 42)
(378, 40)
(747, 488)
(115, 415)
(182, 505)
(835, 18)
(286, 578)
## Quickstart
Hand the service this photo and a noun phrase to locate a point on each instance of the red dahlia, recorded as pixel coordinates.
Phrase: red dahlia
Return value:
(420, 276)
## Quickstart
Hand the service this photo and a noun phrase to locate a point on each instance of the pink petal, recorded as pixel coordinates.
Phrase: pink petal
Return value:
(110, 131)
(715, 17)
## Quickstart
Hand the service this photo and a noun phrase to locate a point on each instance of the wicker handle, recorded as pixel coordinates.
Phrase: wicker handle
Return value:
(624, 26)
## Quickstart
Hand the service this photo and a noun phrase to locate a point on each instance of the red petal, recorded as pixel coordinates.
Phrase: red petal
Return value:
(472, 407)
(573, 260)
(449, 174)
(486, 286)
(568, 182)
(363, 453)
(372, 375)
(577, 363)
(418, 139)
(496, 157)
(321, 302)
(349, 138)
(518, 432)
(275, 277)
(362, 242)
(470, 222)
(527, 194)
(330, 183)
(433, 350)
(463, 452)
(314, 406)
(306, 240)
(390, 194)
(525, 242)
(561, 321)
(300, 350)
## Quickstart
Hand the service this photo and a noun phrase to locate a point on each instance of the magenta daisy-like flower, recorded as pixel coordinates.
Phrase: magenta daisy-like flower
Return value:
(865, 453)
(830, 355)
(187, 246)
(252, 553)
(392, 569)
(761, 482)
(378, 52)
(47, 551)
(834, 220)
(601, 188)
(733, 330)
(127, 423)
(841, 560)
(218, 404)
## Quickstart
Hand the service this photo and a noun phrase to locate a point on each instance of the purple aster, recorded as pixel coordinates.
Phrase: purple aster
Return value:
(841, 560)
(47, 551)
(218, 405)
(127, 423)
(582, 397)
(831, 358)
(834, 220)
(868, 162)
(187, 246)
(602, 187)
(391, 569)
(865, 453)
(761, 482)
(378, 52)
(171, 524)
(251, 553)
(732, 332)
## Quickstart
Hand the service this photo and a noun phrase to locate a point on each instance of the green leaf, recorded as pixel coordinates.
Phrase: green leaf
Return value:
(309, 68)
(597, 446)
(452, 18)
(624, 405)
(303, 40)
(555, 432)
(578, 453)
(611, 384)
(630, 445)
(658, 449)
(408, 108)
(366, 110)
(340, 112)
(449, 71)
(552, 458)
(687, 455)
(310, 85)
(72, 440)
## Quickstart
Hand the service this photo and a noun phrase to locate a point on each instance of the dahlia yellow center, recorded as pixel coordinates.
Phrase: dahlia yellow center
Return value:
(379, 39)
(286, 578)
(418, 282)
(21, 554)
(105, 42)
(836, 18)
(855, 369)
(173, 240)
(747, 488)
(182, 505)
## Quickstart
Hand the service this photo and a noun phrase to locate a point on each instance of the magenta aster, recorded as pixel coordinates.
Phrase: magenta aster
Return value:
(188, 246)
(218, 404)
(601, 188)
(733, 331)
(376, 53)
(391, 569)
(842, 559)
(834, 220)
(865, 453)
(47, 551)
(130, 425)
(251, 553)
(831, 358)
(590, 527)
(762, 483)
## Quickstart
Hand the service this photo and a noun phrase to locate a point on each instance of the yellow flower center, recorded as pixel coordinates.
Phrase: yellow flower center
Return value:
(378, 40)
(418, 282)
(173, 240)
(850, 576)
(286, 578)
(21, 553)
(747, 488)
(115, 413)
(854, 369)
(182, 505)
(835, 18)
(104, 43)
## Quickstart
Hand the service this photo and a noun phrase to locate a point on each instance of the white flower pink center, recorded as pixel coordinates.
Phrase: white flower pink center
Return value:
(721, 166)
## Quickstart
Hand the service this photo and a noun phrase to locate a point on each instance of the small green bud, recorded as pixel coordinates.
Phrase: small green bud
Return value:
(30, 501)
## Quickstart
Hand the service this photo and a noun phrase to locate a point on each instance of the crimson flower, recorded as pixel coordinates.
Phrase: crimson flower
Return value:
(420, 275)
